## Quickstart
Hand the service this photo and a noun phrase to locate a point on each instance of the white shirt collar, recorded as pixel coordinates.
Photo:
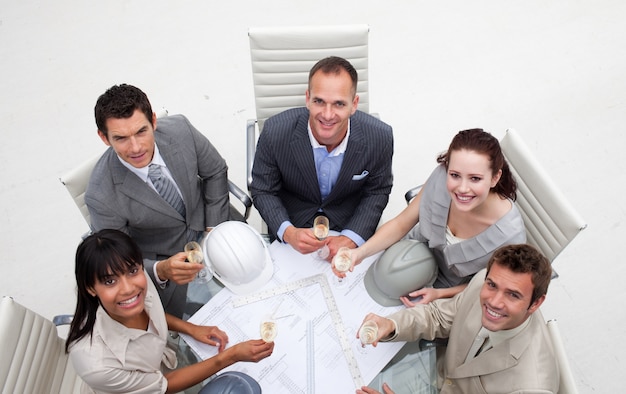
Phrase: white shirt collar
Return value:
(142, 173)
(497, 337)
(340, 149)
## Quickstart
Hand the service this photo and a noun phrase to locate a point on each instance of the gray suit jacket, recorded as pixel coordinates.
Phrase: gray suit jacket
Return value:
(284, 180)
(460, 260)
(118, 199)
(523, 364)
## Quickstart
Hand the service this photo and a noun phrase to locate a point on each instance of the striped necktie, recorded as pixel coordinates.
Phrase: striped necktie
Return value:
(166, 188)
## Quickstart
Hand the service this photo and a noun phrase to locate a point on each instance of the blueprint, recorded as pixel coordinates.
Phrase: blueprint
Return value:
(286, 371)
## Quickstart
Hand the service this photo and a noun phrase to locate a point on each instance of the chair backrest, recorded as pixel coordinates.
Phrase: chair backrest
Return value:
(551, 222)
(282, 57)
(567, 384)
(76, 181)
(33, 355)
(281, 60)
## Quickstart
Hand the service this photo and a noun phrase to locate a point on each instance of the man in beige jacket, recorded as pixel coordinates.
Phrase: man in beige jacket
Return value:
(501, 301)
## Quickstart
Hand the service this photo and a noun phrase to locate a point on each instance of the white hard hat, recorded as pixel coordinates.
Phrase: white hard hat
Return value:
(238, 256)
(405, 266)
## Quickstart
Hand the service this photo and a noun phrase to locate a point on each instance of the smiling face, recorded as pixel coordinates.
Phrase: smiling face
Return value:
(122, 296)
(331, 101)
(470, 179)
(505, 298)
(131, 138)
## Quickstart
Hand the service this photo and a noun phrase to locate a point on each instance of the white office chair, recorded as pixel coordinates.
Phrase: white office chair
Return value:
(33, 355)
(281, 60)
(550, 220)
(76, 181)
(567, 384)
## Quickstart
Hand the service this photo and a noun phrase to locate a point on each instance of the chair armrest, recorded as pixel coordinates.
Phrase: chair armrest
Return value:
(250, 147)
(60, 320)
(409, 195)
(241, 196)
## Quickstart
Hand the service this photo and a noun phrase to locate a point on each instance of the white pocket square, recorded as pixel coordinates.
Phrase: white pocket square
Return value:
(360, 176)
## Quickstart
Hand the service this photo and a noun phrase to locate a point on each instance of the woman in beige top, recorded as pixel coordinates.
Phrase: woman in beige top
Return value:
(118, 338)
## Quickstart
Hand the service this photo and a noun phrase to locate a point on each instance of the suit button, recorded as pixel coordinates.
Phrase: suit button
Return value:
(448, 382)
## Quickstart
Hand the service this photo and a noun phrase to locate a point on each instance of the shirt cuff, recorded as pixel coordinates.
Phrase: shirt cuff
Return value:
(393, 335)
(159, 282)
(356, 238)
(281, 230)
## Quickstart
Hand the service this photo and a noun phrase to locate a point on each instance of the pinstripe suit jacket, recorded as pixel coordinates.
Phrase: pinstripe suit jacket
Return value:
(284, 180)
(118, 199)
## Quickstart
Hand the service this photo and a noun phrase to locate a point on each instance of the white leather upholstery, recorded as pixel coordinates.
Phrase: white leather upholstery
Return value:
(551, 222)
(33, 355)
(76, 181)
(567, 384)
(282, 57)
(281, 60)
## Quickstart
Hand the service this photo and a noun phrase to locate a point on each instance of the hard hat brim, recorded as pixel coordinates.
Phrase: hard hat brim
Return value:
(232, 382)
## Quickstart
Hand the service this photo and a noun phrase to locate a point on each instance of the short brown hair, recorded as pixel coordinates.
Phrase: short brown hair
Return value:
(120, 102)
(524, 258)
(334, 65)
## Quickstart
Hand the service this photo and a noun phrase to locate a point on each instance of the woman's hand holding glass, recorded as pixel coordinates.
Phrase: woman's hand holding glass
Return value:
(341, 264)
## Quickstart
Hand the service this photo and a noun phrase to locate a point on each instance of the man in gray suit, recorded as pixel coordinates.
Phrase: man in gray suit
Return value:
(498, 339)
(327, 158)
(121, 194)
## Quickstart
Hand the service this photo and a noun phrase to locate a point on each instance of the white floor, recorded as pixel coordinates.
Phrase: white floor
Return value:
(552, 70)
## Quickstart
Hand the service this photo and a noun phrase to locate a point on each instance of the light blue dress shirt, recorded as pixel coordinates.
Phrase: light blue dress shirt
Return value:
(327, 166)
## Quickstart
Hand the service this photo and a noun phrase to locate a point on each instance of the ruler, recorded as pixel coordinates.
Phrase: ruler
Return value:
(319, 279)
(310, 360)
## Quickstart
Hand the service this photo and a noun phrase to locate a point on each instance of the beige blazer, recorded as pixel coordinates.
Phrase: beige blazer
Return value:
(523, 364)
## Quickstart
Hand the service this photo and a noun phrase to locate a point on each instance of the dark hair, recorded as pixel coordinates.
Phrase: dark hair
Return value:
(334, 65)
(524, 258)
(480, 141)
(100, 254)
(120, 102)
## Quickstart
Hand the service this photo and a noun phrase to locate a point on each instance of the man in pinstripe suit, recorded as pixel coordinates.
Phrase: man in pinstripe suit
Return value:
(325, 158)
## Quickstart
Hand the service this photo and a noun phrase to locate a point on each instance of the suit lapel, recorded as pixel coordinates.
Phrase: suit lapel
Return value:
(303, 154)
(134, 188)
(502, 356)
(177, 166)
(351, 159)
(496, 359)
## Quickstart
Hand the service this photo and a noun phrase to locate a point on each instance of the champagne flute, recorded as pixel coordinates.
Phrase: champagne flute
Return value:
(268, 328)
(195, 256)
(342, 263)
(368, 334)
(321, 227)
